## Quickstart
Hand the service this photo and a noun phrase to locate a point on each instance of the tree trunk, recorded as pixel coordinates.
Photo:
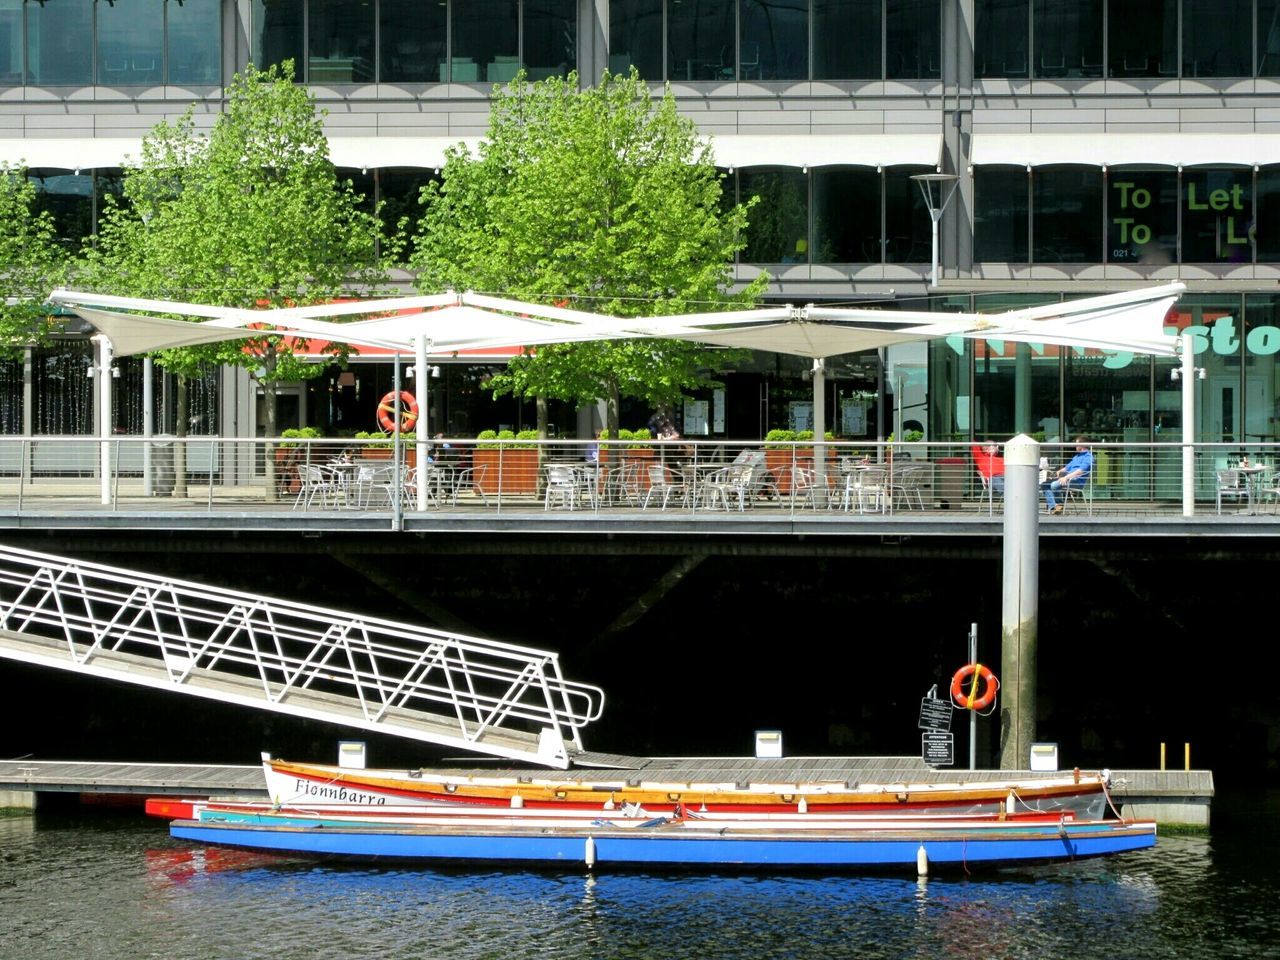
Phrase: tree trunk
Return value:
(180, 431)
(541, 403)
(611, 405)
(269, 428)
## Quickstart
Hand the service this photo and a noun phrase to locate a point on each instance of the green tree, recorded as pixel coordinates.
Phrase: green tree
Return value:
(601, 196)
(253, 215)
(33, 261)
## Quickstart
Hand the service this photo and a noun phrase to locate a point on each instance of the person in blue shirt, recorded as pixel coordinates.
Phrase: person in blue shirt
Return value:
(1075, 473)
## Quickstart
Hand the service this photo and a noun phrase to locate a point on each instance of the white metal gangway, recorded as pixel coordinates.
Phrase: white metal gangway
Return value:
(480, 695)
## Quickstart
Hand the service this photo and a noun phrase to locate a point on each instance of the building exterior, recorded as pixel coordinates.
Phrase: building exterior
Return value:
(1095, 144)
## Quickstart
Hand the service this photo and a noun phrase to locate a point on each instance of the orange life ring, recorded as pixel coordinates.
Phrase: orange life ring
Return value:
(972, 673)
(387, 412)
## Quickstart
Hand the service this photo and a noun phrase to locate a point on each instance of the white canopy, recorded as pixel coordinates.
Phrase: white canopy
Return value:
(1114, 149)
(1132, 321)
(374, 152)
(70, 153)
(825, 150)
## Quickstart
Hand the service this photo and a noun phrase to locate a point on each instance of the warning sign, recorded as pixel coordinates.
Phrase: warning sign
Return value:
(938, 749)
(935, 714)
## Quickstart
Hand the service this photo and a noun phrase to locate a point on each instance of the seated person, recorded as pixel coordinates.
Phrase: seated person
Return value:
(990, 464)
(1075, 473)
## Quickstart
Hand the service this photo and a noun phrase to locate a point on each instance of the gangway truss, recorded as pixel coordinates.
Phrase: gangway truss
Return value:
(394, 678)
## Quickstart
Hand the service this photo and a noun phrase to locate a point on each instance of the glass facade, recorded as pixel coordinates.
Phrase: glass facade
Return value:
(847, 42)
(1142, 216)
(1068, 39)
(340, 42)
(1153, 216)
(635, 37)
(1000, 38)
(118, 43)
(130, 42)
(1143, 39)
(1002, 222)
(855, 215)
(59, 36)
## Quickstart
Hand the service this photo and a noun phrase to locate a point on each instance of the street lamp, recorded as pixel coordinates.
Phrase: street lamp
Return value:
(926, 181)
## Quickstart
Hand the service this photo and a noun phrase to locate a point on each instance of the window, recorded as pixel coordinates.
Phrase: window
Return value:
(277, 34)
(1268, 218)
(913, 35)
(486, 41)
(1000, 38)
(550, 38)
(1269, 38)
(59, 36)
(846, 215)
(1066, 225)
(847, 39)
(1068, 39)
(1142, 216)
(10, 42)
(1001, 199)
(775, 40)
(908, 229)
(340, 42)
(130, 42)
(700, 40)
(69, 199)
(1215, 38)
(413, 37)
(195, 41)
(1142, 38)
(635, 37)
(1217, 215)
(779, 229)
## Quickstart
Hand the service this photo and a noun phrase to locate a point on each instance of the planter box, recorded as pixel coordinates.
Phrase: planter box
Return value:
(779, 461)
(508, 471)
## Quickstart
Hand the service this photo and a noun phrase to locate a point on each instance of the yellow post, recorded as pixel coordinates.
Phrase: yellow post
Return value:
(1161, 754)
(1186, 756)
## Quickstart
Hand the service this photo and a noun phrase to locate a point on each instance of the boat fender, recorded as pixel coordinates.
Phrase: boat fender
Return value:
(589, 855)
(1010, 804)
(802, 806)
(973, 674)
(609, 804)
(387, 412)
(922, 862)
(517, 801)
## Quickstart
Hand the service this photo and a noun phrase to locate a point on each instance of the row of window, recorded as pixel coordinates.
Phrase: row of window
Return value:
(856, 215)
(1155, 216)
(1081, 39)
(486, 41)
(112, 43)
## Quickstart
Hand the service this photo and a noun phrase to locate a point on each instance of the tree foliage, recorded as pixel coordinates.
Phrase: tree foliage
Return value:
(602, 198)
(33, 263)
(251, 215)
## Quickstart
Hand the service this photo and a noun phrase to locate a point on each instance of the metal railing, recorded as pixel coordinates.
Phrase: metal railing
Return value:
(490, 697)
(678, 478)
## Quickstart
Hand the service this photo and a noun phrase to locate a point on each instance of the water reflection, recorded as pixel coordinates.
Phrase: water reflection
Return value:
(131, 892)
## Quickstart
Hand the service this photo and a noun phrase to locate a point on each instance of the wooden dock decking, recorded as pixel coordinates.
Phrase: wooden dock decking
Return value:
(1167, 796)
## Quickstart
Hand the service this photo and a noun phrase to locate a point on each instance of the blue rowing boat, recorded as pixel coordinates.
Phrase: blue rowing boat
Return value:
(954, 846)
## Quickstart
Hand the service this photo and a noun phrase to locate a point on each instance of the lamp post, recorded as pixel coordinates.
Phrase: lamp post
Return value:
(926, 181)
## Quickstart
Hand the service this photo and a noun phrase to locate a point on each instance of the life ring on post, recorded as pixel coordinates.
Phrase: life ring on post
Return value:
(387, 412)
(973, 674)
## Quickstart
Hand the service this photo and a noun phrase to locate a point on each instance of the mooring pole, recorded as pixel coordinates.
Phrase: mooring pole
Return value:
(1021, 602)
(973, 714)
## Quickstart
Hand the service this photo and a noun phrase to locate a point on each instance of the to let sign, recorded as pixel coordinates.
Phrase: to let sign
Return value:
(938, 749)
(935, 714)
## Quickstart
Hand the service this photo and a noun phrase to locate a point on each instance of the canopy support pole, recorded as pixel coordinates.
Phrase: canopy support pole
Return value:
(819, 423)
(1187, 348)
(104, 415)
(148, 424)
(421, 385)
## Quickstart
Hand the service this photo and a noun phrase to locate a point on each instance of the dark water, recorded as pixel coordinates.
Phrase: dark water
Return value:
(118, 887)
